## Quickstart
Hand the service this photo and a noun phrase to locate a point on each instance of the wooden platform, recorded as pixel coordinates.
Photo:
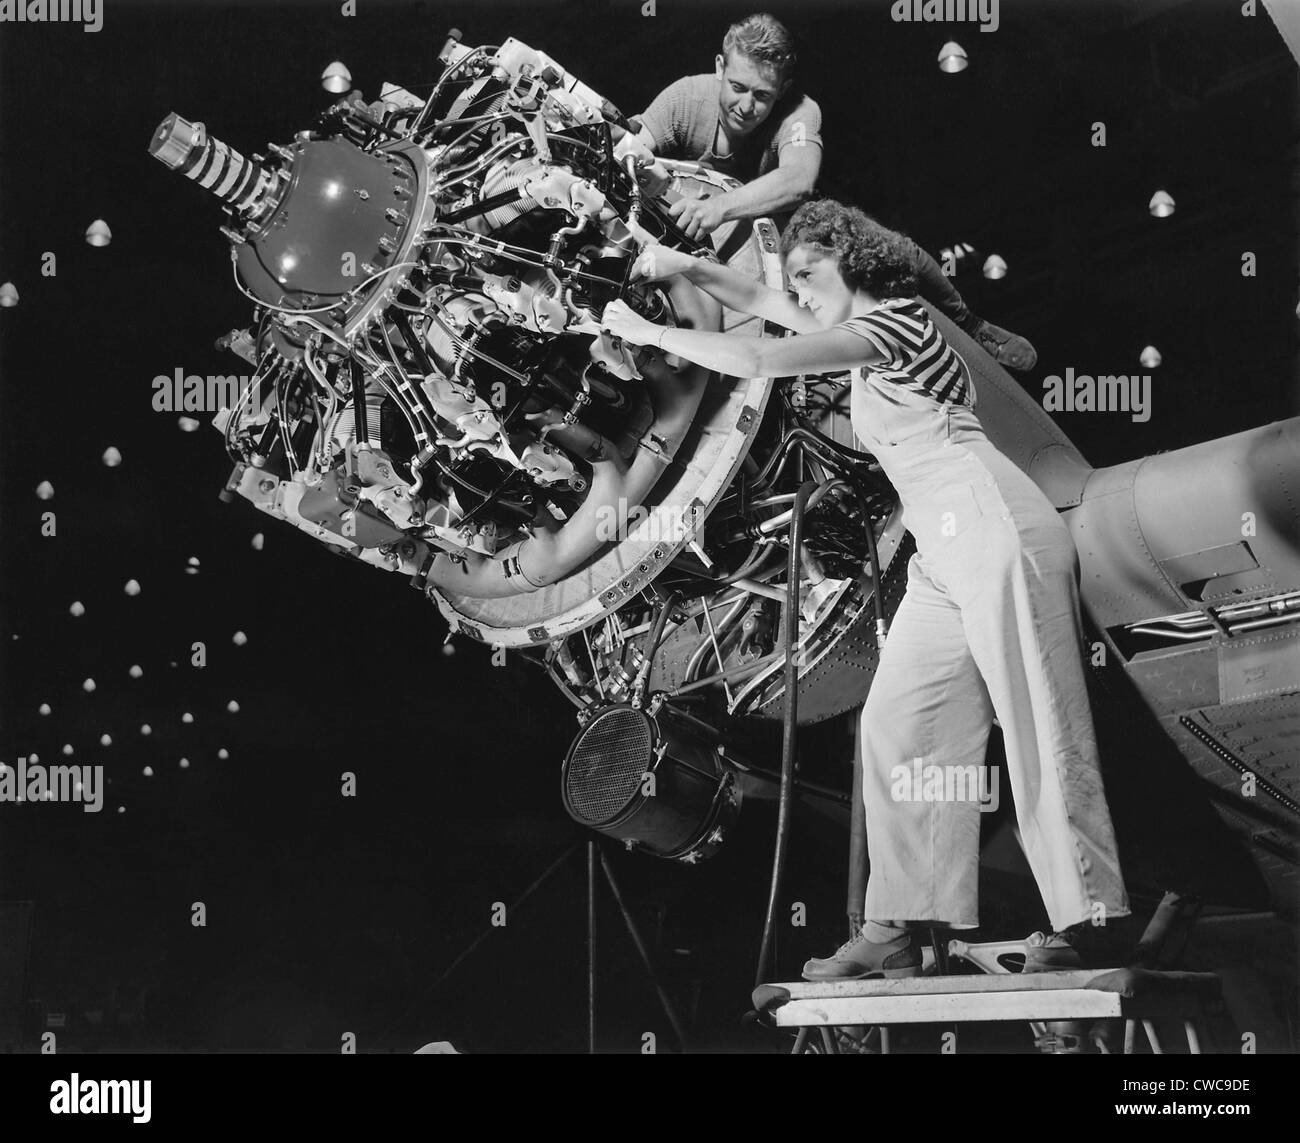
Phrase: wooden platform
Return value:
(1076, 995)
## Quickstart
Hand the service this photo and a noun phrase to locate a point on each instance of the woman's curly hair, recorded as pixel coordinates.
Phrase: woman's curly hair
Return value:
(871, 257)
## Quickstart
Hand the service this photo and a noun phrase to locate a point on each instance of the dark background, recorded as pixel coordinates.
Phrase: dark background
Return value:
(329, 915)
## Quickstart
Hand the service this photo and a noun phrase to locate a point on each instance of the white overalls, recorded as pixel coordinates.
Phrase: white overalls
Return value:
(989, 625)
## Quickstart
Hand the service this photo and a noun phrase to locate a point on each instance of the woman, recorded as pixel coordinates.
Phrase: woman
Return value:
(989, 624)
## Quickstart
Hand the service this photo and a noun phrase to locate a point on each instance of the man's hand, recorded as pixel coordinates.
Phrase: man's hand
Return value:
(656, 263)
(632, 144)
(650, 173)
(697, 217)
(624, 322)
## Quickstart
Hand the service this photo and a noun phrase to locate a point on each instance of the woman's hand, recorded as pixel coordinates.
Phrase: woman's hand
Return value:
(622, 321)
(655, 263)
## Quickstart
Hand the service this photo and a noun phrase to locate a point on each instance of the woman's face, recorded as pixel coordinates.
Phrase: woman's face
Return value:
(815, 278)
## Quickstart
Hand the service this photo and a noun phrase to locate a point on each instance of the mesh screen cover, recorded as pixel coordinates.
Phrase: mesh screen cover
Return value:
(606, 764)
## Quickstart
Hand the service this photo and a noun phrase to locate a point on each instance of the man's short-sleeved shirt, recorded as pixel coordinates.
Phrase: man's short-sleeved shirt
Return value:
(684, 122)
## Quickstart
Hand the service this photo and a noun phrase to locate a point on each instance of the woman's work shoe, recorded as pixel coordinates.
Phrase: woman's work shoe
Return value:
(860, 958)
(1005, 347)
(1051, 952)
(1079, 946)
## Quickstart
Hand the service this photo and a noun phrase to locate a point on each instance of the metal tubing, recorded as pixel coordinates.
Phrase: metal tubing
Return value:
(724, 626)
(761, 588)
(790, 728)
(652, 647)
(729, 673)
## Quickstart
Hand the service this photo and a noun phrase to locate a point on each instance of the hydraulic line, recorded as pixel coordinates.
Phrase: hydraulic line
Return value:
(815, 441)
(789, 727)
(266, 368)
(661, 621)
(419, 402)
(823, 490)
(725, 625)
(877, 588)
(731, 674)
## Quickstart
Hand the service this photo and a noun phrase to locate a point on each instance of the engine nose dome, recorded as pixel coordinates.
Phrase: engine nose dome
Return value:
(341, 218)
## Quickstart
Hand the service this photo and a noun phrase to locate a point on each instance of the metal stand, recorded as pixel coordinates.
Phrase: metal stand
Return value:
(593, 852)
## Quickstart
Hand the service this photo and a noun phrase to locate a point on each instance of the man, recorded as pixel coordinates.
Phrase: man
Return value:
(745, 120)
(749, 121)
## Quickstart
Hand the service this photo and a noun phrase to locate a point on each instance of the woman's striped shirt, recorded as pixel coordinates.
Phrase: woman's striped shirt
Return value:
(915, 354)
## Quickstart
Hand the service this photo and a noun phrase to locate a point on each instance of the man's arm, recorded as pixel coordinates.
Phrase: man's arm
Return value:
(782, 189)
(646, 136)
(661, 121)
(799, 161)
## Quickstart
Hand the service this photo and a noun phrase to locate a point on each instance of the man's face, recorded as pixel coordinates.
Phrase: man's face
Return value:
(749, 90)
(816, 280)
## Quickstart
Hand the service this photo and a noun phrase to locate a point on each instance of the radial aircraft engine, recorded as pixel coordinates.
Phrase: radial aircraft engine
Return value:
(433, 396)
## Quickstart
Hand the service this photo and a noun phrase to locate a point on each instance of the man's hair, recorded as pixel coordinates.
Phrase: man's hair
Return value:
(762, 38)
(871, 257)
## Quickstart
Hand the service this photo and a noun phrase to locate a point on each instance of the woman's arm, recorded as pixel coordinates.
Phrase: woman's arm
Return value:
(741, 356)
(732, 288)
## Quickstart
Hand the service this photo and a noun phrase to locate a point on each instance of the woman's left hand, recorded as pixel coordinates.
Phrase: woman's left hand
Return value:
(622, 321)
